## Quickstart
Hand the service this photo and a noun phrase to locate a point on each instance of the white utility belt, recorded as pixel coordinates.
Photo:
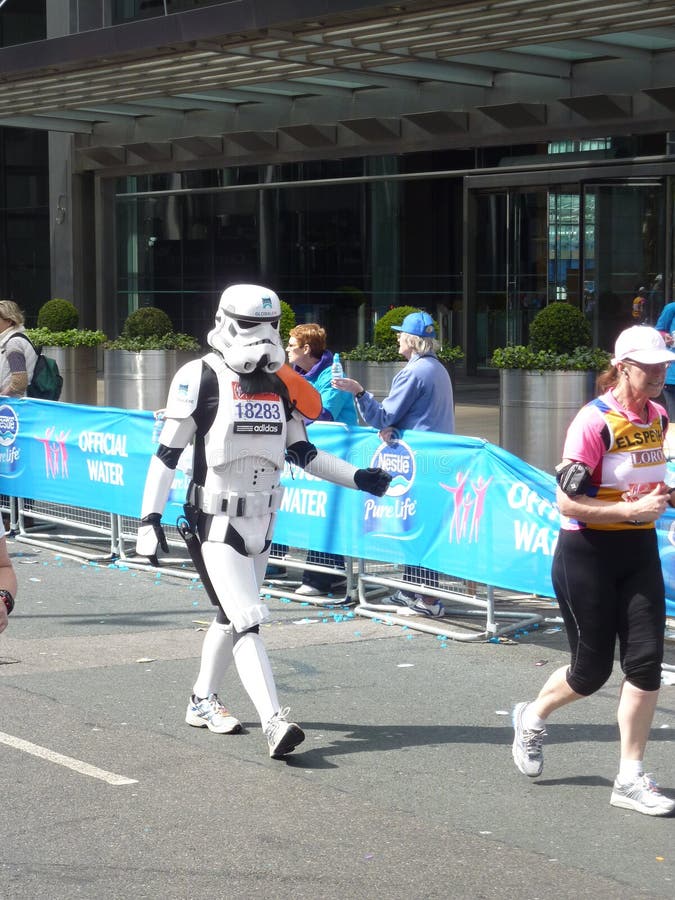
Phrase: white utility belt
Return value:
(235, 504)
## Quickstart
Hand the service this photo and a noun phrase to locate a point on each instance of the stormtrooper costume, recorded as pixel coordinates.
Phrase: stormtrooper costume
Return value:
(245, 414)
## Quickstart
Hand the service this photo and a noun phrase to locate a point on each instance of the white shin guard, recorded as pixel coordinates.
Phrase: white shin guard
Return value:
(216, 657)
(235, 578)
(255, 672)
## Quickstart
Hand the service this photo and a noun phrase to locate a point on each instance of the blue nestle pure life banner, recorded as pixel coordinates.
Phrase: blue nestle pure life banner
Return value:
(455, 504)
(459, 505)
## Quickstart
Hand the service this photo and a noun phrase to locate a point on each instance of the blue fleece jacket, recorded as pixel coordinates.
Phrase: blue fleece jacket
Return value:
(420, 399)
(666, 322)
(338, 406)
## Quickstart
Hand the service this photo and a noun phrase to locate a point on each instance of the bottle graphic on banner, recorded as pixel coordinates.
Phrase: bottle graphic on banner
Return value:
(395, 514)
(182, 476)
(9, 452)
(157, 426)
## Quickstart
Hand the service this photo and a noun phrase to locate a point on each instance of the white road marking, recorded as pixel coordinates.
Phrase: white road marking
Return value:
(75, 764)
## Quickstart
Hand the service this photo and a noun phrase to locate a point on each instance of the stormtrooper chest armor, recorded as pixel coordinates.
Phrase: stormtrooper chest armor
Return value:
(245, 445)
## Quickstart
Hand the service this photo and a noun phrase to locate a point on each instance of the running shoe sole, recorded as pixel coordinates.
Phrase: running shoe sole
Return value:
(197, 721)
(292, 738)
(622, 802)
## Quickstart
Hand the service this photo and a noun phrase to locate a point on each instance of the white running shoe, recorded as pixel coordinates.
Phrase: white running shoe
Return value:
(642, 795)
(307, 590)
(282, 736)
(400, 598)
(210, 713)
(417, 604)
(528, 753)
(434, 610)
(327, 589)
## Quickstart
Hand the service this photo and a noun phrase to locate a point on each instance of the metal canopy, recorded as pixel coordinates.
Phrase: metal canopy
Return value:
(368, 77)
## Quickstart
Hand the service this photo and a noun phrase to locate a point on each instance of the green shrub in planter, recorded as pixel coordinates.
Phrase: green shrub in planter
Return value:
(560, 328)
(582, 359)
(544, 384)
(75, 352)
(383, 335)
(73, 337)
(287, 322)
(146, 322)
(390, 353)
(371, 353)
(174, 340)
(58, 315)
(150, 328)
(560, 340)
(450, 354)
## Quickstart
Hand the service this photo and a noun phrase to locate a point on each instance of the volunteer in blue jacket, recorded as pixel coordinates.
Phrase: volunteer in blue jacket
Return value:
(420, 399)
(309, 357)
(666, 325)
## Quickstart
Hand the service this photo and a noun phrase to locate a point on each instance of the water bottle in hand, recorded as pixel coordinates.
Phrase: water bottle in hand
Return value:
(336, 369)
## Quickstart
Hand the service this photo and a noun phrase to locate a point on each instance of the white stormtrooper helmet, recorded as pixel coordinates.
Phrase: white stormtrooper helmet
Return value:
(247, 329)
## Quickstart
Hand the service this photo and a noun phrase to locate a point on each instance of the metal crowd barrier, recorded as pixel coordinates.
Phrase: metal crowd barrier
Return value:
(8, 510)
(474, 609)
(83, 533)
(178, 563)
(460, 597)
(295, 561)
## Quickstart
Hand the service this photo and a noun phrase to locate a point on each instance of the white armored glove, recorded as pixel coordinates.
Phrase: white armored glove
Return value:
(151, 537)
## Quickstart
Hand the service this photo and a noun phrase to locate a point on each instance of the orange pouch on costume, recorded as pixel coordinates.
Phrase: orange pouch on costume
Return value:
(304, 396)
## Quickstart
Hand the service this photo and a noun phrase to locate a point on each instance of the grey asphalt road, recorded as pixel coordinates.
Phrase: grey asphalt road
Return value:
(404, 787)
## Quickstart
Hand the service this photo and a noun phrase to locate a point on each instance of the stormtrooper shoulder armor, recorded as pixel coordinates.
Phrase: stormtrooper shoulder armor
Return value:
(184, 391)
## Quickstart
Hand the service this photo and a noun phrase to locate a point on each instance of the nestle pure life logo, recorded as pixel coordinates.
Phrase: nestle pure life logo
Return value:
(9, 453)
(394, 514)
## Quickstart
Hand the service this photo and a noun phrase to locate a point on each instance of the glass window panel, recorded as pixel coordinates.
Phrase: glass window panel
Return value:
(491, 274)
(624, 249)
(24, 219)
(127, 10)
(180, 252)
(23, 22)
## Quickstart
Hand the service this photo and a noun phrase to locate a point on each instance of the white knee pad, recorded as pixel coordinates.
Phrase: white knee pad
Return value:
(235, 580)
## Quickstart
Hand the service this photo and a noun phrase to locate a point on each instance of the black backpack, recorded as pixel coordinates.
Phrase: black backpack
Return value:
(47, 381)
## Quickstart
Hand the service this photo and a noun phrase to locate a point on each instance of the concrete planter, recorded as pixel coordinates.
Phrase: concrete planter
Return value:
(77, 365)
(375, 377)
(140, 380)
(535, 410)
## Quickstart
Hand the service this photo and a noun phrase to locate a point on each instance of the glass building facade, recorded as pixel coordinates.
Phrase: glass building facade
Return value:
(24, 183)
(129, 10)
(480, 232)
(337, 246)
(344, 241)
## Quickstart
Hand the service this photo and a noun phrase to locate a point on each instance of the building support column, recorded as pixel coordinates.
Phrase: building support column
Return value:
(71, 207)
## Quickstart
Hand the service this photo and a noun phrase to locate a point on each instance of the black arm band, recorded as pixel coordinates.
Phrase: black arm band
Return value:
(359, 395)
(573, 478)
(301, 453)
(8, 600)
(169, 455)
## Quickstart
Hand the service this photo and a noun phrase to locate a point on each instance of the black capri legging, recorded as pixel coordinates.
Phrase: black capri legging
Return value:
(609, 584)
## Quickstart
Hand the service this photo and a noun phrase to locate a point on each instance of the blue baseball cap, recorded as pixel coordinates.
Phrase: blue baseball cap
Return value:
(418, 323)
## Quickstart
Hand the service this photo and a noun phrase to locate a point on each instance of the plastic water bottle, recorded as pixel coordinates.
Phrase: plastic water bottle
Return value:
(336, 369)
(157, 426)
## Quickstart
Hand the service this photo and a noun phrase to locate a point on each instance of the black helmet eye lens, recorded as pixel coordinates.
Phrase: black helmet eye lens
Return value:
(245, 324)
